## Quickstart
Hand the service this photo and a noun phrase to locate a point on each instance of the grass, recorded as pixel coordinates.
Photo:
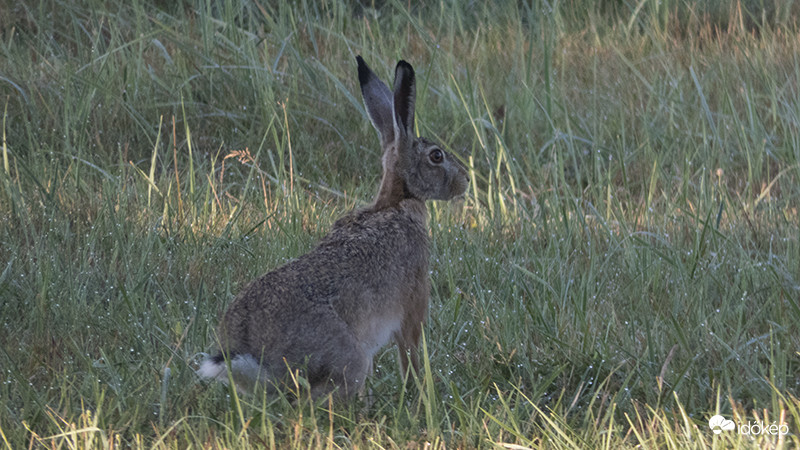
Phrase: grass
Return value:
(625, 267)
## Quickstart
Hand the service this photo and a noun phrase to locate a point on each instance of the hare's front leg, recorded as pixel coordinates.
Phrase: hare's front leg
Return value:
(407, 339)
(408, 336)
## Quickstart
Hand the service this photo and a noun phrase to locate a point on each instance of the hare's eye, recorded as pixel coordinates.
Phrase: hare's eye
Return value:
(436, 156)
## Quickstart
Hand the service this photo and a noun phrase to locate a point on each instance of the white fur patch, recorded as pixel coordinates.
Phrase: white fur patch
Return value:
(245, 367)
(379, 334)
(246, 370)
(211, 370)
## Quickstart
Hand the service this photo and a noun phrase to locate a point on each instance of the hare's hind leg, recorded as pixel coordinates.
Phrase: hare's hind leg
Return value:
(344, 382)
(336, 360)
(345, 374)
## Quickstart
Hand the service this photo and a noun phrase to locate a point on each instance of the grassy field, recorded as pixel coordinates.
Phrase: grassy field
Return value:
(625, 266)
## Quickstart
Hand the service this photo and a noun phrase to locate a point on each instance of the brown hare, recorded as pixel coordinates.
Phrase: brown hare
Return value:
(329, 311)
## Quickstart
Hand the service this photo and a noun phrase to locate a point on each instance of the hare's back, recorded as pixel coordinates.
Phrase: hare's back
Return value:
(361, 276)
(376, 248)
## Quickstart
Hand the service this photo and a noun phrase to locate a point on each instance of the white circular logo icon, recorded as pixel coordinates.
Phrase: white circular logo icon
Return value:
(718, 424)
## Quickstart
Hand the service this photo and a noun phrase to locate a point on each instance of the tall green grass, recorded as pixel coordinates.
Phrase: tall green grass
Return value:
(626, 264)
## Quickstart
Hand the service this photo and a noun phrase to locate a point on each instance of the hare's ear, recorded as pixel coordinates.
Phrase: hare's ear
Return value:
(378, 100)
(404, 97)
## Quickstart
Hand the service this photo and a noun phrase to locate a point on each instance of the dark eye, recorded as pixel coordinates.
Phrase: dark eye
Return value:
(436, 156)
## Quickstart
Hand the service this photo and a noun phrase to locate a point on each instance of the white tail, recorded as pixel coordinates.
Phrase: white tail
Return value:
(246, 371)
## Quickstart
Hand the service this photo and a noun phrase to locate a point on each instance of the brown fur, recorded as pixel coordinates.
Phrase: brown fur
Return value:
(365, 283)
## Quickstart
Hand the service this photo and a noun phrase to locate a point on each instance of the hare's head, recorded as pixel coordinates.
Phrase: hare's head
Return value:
(413, 167)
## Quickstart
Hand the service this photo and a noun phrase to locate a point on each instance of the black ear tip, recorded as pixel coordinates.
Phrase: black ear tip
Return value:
(404, 70)
(363, 70)
(404, 66)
